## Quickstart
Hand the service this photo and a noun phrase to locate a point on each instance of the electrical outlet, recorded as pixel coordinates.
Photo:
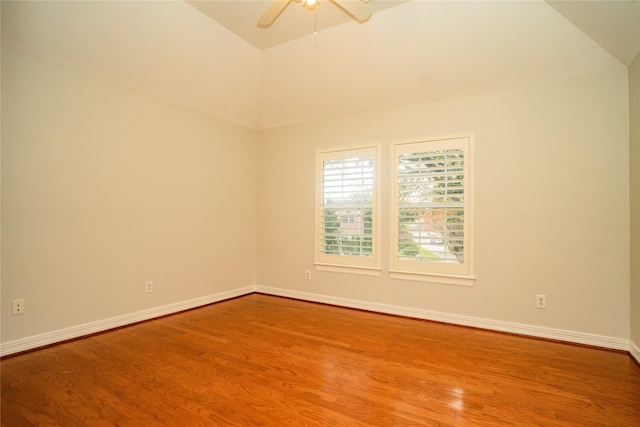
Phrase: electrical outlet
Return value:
(18, 306)
(148, 286)
(541, 301)
(307, 274)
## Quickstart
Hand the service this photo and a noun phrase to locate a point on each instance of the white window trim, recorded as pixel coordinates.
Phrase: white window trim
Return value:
(443, 279)
(349, 264)
(426, 272)
(366, 271)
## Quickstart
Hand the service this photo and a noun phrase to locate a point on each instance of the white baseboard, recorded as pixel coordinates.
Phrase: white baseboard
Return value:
(476, 322)
(53, 337)
(634, 351)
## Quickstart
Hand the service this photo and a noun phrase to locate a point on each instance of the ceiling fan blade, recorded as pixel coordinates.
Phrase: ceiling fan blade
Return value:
(271, 14)
(356, 8)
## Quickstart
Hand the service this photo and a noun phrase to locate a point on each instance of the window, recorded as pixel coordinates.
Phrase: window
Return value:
(346, 210)
(431, 212)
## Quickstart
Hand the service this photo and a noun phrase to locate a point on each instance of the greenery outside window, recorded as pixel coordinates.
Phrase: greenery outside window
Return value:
(431, 212)
(346, 214)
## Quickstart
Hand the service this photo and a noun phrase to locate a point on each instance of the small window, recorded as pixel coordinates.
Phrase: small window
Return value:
(431, 213)
(346, 208)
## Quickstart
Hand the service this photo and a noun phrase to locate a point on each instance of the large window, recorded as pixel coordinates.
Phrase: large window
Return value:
(431, 212)
(346, 209)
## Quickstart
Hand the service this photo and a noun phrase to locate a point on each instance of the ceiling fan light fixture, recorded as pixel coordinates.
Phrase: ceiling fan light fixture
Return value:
(357, 9)
(310, 4)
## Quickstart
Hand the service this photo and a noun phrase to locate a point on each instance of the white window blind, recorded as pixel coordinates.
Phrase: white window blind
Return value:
(431, 207)
(346, 207)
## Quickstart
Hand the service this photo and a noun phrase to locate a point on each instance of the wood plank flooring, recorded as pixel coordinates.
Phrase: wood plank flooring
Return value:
(266, 361)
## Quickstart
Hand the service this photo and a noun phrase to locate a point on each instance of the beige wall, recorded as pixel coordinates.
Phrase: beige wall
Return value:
(551, 204)
(634, 165)
(104, 188)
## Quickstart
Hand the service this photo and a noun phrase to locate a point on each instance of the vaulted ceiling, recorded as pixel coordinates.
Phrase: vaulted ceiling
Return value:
(213, 59)
(294, 22)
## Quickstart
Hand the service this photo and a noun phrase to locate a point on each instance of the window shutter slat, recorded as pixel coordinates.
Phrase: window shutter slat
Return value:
(346, 204)
(430, 202)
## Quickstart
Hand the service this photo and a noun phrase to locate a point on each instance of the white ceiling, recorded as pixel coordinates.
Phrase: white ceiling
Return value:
(295, 21)
(614, 24)
(412, 52)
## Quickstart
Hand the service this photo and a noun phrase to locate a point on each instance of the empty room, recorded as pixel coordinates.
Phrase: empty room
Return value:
(342, 212)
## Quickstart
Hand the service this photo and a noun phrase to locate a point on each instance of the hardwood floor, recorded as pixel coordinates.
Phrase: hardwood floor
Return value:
(263, 360)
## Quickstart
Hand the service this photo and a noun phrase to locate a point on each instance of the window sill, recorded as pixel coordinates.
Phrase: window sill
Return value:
(351, 269)
(442, 279)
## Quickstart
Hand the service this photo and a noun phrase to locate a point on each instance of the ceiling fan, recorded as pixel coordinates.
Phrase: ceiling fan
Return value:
(356, 8)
